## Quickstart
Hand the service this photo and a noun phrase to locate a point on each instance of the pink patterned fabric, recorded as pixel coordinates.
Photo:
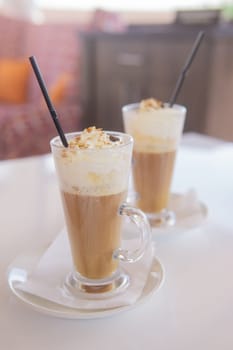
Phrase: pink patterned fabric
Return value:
(56, 49)
(27, 129)
(12, 37)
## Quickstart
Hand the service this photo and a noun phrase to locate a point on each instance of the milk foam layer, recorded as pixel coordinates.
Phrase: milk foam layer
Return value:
(155, 130)
(96, 172)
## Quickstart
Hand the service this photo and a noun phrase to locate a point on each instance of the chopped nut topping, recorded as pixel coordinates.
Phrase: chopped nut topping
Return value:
(114, 138)
(150, 104)
(93, 138)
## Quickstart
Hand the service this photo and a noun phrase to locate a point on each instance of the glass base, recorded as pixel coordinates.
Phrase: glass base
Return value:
(162, 219)
(76, 285)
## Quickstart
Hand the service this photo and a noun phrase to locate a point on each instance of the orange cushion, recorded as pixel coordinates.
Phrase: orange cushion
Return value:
(58, 90)
(14, 76)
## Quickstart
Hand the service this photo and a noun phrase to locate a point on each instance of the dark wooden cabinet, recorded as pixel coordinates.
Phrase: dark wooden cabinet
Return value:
(122, 68)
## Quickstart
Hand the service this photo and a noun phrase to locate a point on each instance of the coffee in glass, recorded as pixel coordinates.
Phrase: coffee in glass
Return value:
(156, 129)
(93, 176)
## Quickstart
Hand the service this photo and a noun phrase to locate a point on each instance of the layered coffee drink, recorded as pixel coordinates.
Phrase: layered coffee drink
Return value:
(93, 240)
(93, 188)
(93, 172)
(157, 173)
(156, 129)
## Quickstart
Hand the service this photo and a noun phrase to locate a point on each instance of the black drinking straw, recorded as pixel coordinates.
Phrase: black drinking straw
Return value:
(47, 100)
(186, 67)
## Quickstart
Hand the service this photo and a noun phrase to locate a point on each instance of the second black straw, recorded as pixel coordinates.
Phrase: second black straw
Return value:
(186, 67)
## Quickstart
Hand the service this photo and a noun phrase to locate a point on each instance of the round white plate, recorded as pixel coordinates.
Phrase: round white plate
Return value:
(189, 210)
(20, 269)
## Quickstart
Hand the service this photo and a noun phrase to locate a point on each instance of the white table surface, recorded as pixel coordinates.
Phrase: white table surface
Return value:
(193, 309)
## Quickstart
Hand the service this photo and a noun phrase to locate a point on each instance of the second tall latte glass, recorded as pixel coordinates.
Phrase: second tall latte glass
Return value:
(156, 132)
(93, 181)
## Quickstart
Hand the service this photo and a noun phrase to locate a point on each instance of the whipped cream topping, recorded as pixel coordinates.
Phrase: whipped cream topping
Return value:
(150, 104)
(155, 126)
(92, 138)
(92, 164)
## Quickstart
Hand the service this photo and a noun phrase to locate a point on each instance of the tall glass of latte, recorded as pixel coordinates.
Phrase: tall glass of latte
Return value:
(93, 176)
(156, 129)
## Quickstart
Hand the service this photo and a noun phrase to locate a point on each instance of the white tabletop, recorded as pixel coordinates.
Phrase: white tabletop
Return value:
(194, 307)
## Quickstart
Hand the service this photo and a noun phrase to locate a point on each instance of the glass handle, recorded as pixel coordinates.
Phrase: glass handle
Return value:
(140, 220)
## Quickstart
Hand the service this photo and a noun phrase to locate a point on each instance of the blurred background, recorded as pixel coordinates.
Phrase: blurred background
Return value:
(96, 56)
